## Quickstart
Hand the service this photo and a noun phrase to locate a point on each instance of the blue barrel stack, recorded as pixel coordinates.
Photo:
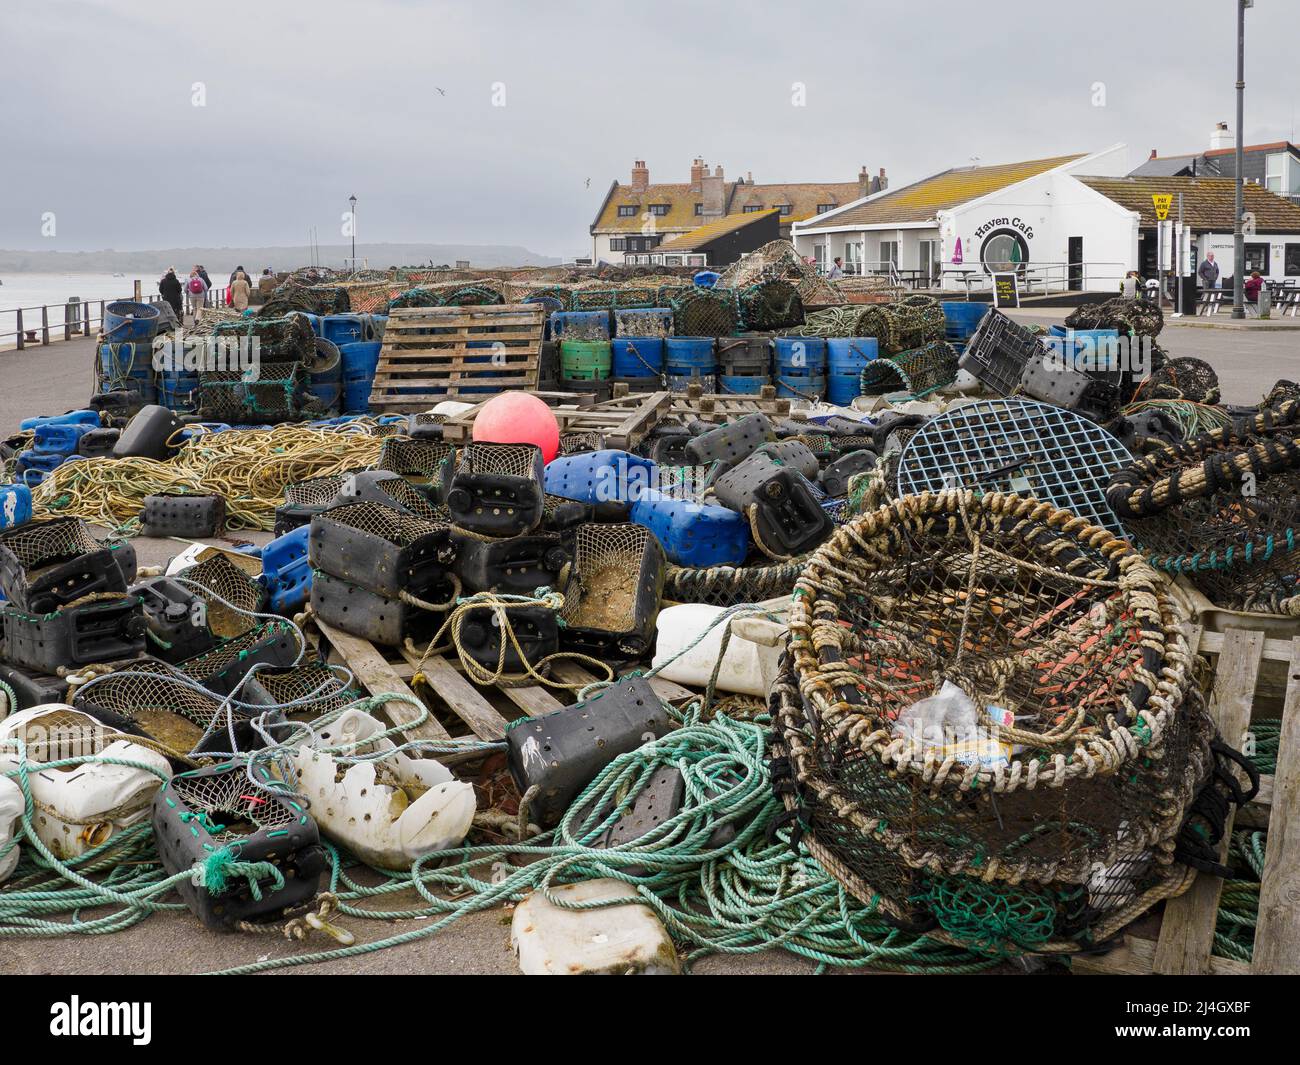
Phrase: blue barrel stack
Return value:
(800, 367)
(359, 363)
(845, 358)
(688, 359)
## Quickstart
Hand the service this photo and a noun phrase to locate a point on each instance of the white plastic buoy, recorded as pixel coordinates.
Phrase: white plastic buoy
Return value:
(390, 811)
(550, 940)
(11, 811)
(81, 806)
(750, 664)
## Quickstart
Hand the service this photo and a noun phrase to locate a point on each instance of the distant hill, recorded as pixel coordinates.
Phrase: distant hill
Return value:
(223, 260)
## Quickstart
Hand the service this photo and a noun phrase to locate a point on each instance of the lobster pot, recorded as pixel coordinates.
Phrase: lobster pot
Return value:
(126, 321)
(918, 371)
(705, 312)
(741, 386)
(580, 325)
(644, 322)
(1222, 510)
(127, 367)
(637, 357)
(987, 721)
(729, 585)
(771, 304)
(612, 598)
(585, 360)
(800, 386)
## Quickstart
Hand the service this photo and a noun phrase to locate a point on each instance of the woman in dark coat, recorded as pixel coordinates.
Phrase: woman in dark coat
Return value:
(170, 290)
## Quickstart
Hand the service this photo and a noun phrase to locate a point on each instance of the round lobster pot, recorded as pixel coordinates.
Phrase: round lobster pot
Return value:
(1223, 510)
(987, 724)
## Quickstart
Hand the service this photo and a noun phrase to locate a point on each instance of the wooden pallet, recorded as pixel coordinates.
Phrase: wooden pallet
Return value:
(1185, 940)
(623, 423)
(431, 354)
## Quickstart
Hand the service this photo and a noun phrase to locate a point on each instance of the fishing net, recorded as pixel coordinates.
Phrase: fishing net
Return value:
(315, 491)
(306, 692)
(643, 325)
(705, 312)
(35, 544)
(231, 807)
(1137, 317)
(1280, 393)
(769, 305)
(386, 523)
(277, 394)
(987, 723)
(1223, 509)
(284, 339)
(916, 321)
(1194, 379)
(292, 295)
(577, 443)
(919, 371)
(779, 261)
(729, 585)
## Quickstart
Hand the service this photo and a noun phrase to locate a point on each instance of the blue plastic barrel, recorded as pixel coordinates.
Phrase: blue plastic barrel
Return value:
(842, 389)
(580, 325)
(848, 355)
(128, 366)
(800, 356)
(359, 359)
(637, 356)
(178, 390)
(799, 387)
(15, 505)
(343, 328)
(742, 386)
(690, 356)
(127, 320)
(694, 534)
(961, 319)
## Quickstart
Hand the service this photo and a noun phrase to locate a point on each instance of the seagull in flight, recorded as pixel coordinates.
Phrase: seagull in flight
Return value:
(588, 182)
(441, 92)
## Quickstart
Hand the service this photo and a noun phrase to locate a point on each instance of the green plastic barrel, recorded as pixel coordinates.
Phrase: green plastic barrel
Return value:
(585, 360)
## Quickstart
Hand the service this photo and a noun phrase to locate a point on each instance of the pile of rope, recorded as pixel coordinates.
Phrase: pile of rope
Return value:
(249, 467)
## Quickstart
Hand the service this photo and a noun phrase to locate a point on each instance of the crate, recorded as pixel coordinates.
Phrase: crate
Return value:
(1183, 940)
(998, 352)
(430, 354)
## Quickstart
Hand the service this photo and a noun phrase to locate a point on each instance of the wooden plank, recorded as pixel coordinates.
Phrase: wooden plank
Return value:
(1186, 938)
(533, 700)
(569, 672)
(375, 674)
(1277, 929)
(461, 696)
(1274, 650)
(1135, 956)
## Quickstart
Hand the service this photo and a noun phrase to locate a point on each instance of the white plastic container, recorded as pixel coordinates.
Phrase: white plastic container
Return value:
(11, 810)
(750, 664)
(81, 806)
(388, 812)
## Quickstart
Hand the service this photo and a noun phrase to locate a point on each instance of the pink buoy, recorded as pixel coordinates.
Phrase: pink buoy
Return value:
(518, 418)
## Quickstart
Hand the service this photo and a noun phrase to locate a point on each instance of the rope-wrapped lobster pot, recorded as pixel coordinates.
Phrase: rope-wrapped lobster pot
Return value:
(986, 726)
(1223, 509)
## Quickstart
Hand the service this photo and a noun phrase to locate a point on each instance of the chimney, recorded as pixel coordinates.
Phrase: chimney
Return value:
(879, 183)
(640, 176)
(749, 177)
(864, 181)
(698, 170)
(1153, 154)
(714, 188)
(1221, 137)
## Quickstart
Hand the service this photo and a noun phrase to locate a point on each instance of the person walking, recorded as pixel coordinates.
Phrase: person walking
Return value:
(1209, 271)
(196, 292)
(836, 270)
(169, 288)
(240, 290)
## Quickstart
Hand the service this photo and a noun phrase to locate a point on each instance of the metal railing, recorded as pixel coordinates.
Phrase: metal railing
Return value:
(22, 327)
(1042, 278)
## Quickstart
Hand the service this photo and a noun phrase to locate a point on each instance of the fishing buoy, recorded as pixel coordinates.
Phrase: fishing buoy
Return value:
(518, 418)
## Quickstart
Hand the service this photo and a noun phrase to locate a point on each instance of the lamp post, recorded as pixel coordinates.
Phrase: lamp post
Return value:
(1238, 246)
(352, 200)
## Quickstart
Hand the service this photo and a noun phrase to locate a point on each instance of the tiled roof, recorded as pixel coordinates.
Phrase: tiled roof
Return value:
(681, 201)
(803, 198)
(919, 202)
(1208, 203)
(702, 235)
(1272, 146)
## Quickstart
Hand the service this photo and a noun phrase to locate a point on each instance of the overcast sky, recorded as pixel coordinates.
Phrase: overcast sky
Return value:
(306, 103)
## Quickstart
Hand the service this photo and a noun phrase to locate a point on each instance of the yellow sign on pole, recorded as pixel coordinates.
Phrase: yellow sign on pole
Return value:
(1162, 200)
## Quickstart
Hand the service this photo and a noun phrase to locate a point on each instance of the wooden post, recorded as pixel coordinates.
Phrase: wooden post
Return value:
(22, 343)
(45, 324)
(137, 290)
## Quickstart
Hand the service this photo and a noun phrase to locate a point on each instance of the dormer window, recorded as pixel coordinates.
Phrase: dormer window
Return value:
(627, 210)
(659, 209)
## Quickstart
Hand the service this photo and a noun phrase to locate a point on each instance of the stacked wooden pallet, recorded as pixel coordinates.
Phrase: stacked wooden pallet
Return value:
(1183, 943)
(431, 354)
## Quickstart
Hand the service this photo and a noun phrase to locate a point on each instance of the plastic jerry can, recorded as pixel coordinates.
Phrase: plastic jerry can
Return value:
(15, 505)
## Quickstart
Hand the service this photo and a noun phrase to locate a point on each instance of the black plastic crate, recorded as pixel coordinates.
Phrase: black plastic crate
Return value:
(97, 630)
(224, 668)
(612, 596)
(188, 516)
(998, 352)
(517, 566)
(361, 612)
(383, 550)
(496, 489)
(786, 514)
(46, 564)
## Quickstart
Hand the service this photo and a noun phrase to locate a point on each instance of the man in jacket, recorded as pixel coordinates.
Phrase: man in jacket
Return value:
(169, 288)
(1209, 271)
